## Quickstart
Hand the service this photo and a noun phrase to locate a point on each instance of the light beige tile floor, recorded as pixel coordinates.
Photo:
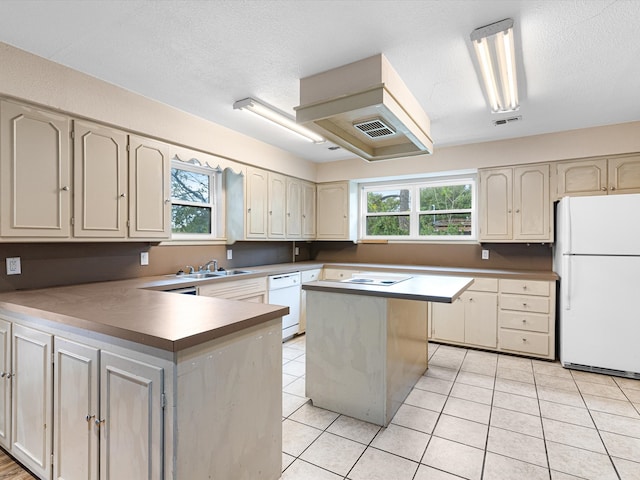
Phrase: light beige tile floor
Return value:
(474, 415)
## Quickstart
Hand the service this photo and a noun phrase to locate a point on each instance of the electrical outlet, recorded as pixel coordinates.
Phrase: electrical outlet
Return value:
(297, 250)
(13, 266)
(229, 254)
(485, 254)
(144, 258)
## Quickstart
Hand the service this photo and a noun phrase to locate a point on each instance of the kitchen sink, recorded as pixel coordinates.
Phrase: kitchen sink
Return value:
(220, 273)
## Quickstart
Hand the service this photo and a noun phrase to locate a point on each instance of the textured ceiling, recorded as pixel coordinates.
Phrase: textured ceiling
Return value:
(579, 60)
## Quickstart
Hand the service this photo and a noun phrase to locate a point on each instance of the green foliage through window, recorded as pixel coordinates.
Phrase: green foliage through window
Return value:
(192, 198)
(420, 210)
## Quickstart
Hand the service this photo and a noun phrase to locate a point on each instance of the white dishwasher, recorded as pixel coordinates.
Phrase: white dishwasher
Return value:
(285, 290)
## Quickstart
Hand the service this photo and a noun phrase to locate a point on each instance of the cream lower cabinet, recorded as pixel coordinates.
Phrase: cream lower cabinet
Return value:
(514, 316)
(515, 204)
(471, 319)
(527, 317)
(5, 384)
(31, 410)
(248, 290)
(306, 276)
(598, 176)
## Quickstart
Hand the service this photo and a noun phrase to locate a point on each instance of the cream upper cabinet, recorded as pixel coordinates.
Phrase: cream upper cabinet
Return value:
(100, 181)
(308, 211)
(515, 204)
(599, 176)
(149, 188)
(624, 174)
(256, 201)
(35, 173)
(336, 211)
(496, 204)
(294, 208)
(277, 201)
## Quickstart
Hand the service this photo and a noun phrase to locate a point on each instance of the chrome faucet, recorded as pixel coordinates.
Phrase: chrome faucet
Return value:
(208, 265)
(191, 269)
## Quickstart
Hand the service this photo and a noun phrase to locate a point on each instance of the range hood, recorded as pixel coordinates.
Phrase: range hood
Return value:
(366, 108)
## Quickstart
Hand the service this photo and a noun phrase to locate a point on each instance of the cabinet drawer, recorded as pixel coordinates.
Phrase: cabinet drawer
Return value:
(525, 287)
(337, 273)
(484, 285)
(309, 275)
(524, 342)
(235, 288)
(533, 322)
(523, 303)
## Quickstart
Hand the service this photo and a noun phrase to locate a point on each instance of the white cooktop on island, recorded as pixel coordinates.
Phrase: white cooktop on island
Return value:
(367, 340)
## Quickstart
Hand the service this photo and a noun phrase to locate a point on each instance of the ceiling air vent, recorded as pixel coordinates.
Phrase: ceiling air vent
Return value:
(375, 128)
(504, 121)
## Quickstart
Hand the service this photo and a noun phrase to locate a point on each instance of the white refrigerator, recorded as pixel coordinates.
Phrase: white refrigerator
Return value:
(597, 256)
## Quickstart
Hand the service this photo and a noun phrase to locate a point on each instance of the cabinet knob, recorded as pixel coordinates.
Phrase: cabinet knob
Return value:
(288, 214)
(524, 287)
(524, 305)
(270, 212)
(517, 210)
(248, 210)
(123, 195)
(99, 422)
(604, 189)
(167, 200)
(89, 417)
(65, 188)
(612, 188)
(524, 340)
(524, 320)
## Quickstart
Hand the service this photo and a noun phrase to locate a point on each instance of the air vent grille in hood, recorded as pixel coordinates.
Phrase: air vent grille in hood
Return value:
(345, 105)
(374, 128)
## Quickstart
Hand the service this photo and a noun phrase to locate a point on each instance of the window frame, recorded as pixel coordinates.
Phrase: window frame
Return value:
(215, 190)
(414, 186)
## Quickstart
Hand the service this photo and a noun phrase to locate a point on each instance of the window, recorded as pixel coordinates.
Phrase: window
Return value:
(438, 209)
(193, 195)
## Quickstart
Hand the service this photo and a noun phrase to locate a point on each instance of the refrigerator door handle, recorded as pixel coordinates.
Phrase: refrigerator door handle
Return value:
(566, 280)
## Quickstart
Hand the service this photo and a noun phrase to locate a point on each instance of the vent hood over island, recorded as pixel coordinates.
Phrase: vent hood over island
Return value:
(366, 108)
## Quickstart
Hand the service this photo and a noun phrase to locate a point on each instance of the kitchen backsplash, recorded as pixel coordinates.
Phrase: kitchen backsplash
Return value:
(47, 265)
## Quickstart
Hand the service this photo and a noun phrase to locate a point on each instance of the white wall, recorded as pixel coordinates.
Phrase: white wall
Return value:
(37, 80)
(588, 142)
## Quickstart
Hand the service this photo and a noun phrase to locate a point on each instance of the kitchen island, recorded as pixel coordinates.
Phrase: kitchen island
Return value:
(143, 384)
(367, 340)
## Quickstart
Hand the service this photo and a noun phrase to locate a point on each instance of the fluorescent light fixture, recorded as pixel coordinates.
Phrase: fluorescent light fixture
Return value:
(277, 117)
(494, 48)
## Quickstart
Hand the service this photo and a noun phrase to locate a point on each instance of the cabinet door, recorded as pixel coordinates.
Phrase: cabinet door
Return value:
(624, 174)
(308, 210)
(35, 173)
(582, 177)
(5, 384)
(333, 211)
(481, 319)
(75, 404)
(131, 419)
(496, 196)
(277, 200)
(100, 181)
(294, 209)
(149, 189)
(31, 422)
(447, 320)
(257, 191)
(531, 203)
